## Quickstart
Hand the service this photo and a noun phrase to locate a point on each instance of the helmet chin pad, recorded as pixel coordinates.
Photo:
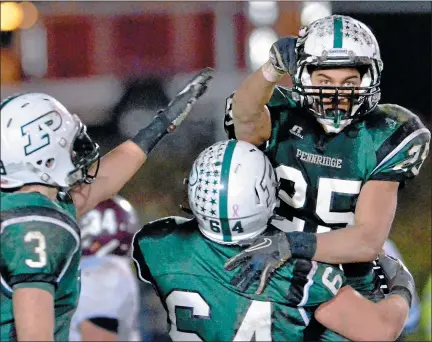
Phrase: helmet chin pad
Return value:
(329, 126)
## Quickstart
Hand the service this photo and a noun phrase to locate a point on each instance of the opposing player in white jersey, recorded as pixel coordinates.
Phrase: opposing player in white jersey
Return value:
(109, 302)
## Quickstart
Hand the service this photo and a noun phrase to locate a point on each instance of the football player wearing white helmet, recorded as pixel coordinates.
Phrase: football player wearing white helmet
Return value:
(341, 156)
(45, 151)
(232, 190)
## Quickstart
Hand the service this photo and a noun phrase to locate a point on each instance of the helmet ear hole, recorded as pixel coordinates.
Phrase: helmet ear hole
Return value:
(363, 69)
(50, 163)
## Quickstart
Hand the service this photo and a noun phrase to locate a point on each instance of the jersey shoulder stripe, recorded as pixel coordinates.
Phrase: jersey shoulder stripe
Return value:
(38, 213)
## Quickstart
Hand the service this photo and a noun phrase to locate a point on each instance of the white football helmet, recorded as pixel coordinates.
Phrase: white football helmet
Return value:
(42, 143)
(232, 191)
(334, 42)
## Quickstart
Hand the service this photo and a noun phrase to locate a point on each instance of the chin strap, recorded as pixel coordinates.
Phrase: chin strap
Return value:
(186, 210)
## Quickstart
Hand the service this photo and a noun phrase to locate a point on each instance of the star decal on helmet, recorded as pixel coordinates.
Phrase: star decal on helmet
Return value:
(210, 171)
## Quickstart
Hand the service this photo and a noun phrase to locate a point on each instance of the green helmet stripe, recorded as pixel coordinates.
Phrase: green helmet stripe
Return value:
(223, 193)
(337, 35)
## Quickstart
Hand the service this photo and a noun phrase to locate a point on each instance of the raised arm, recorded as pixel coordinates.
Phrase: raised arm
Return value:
(250, 115)
(119, 165)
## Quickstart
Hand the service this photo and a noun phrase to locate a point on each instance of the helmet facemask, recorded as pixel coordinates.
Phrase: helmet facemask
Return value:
(346, 103)
(84, 153)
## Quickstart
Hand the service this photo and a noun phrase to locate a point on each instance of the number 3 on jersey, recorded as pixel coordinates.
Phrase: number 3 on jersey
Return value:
(39, 249)
(326, 188)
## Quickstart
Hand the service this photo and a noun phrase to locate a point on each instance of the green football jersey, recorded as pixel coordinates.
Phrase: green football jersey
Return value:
(40, 247)
(186, 269)
(322, 174)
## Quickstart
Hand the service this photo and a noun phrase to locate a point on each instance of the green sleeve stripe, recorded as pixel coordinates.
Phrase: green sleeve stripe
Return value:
(32, 278)
(62, 273)
(139, 261)
(37, 285)
(5, 285)
(398, 148)
(142, 269)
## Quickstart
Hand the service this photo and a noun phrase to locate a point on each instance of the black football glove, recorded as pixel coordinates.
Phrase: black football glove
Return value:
(264, 255)
(283, 55)
(179, 108)
(172, 116)
(399, 279)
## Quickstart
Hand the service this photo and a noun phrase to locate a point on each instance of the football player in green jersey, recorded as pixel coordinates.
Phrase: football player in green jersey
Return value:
(232, 194)
(45, 151)
(341, 156)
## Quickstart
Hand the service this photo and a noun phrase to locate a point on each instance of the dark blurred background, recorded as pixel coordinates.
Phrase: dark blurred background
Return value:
(115, 63)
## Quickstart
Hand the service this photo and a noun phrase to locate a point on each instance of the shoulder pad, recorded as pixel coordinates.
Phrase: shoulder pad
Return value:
(282, 97)
(164, 226)
(18, 215)
(400, 140)
(392, 116)
(390, 125)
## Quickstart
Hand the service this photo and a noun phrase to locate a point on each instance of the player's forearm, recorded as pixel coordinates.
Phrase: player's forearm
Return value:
(115, 170)
(341, 246)
(346, 245)
(251, 97)
(394, 310)
(359, 319)
(33, 310)
(118, 167)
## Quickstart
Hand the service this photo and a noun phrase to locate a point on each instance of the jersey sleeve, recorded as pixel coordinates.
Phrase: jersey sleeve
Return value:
(401, 155)
(36, 248)
(141, 268)
(148, 237)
